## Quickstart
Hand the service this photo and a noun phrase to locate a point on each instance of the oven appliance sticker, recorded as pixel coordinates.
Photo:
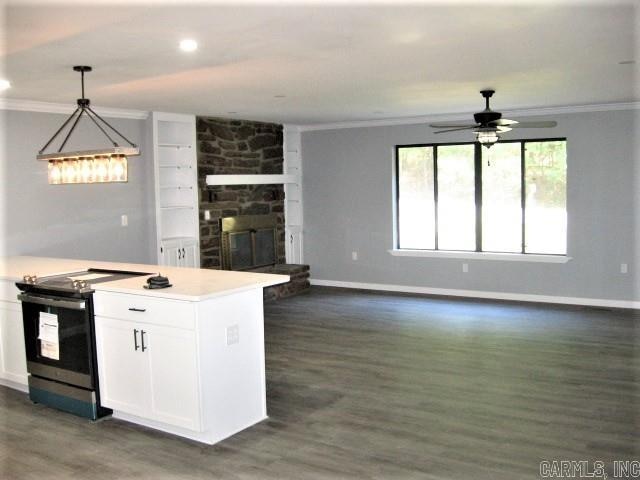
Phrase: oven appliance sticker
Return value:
(48, 336)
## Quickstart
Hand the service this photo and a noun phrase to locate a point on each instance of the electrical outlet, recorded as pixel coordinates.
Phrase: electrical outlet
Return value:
(207, 215)
(354, 256)
(624, 268)
(465, 268)
(124, 220)
(233, 334)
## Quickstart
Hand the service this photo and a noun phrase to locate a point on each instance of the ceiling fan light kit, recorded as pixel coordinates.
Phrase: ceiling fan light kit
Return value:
(101, 165)
(490, 124)
(486, 137)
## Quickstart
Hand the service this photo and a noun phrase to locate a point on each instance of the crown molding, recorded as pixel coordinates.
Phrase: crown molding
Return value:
(290, 127)
(530, 112)
(46, 107)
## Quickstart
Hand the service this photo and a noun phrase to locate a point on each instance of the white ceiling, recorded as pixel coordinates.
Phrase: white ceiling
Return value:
(334, 62)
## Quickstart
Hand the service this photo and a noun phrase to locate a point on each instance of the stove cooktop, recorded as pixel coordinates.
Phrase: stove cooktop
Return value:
(76, 282)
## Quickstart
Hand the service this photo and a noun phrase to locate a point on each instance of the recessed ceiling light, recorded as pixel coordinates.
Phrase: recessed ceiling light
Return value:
(188, 45)
(627, 62)
(279, 96)
(4, 84)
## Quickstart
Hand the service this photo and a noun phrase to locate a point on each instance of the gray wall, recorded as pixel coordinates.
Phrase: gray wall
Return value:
(348, 205)
(74, 221)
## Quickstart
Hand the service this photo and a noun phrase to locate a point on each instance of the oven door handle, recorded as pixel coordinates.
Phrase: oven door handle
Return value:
(53, 302)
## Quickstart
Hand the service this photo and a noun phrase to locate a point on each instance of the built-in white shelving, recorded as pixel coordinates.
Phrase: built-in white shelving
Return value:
(175, 165)
(293, 194)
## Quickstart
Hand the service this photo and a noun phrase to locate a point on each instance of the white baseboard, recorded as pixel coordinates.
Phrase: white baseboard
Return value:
(519, 297)
(16, 385)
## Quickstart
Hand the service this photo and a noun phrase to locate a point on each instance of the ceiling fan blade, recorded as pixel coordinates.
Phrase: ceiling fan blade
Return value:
(547, 124)
(452, 125)
(468, 127)
(503, 122)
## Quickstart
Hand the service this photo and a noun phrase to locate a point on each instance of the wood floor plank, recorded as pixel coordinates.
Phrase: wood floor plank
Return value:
(365, 385)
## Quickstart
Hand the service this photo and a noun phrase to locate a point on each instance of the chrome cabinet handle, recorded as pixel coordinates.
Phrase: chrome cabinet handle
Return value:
(179, 254)
(135, 340)
(183, 254)
(142, 340)
(133, 309)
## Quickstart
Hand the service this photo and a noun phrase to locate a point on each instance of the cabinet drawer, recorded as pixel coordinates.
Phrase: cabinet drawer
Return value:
(138, 308)
(8, 291)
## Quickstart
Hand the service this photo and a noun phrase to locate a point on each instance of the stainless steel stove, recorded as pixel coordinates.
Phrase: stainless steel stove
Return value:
(59, 335)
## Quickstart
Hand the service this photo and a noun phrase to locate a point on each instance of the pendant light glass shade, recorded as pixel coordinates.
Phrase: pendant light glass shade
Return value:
(95, 169)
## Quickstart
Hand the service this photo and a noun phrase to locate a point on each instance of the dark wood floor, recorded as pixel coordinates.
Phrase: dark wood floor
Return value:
(369, 385)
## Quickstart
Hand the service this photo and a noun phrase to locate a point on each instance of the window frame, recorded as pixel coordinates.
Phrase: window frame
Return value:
(477, 159)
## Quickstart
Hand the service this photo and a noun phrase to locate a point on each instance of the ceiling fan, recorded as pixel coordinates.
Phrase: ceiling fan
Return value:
(490, 124)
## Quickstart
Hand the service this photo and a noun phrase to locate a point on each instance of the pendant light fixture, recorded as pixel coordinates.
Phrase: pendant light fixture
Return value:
(88, 166)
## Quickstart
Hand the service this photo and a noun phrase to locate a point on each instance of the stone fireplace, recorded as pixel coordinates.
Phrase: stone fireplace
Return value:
(242, 226)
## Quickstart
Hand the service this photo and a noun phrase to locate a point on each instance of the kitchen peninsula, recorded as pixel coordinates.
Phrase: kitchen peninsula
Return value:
(201, 372)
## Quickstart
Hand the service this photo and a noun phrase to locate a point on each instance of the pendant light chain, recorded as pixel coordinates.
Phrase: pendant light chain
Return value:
(85, 109)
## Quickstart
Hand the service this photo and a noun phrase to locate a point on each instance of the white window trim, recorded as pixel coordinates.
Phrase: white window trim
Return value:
(510, 257)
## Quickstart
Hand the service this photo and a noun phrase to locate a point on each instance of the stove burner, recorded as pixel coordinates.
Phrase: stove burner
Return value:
(76, 282)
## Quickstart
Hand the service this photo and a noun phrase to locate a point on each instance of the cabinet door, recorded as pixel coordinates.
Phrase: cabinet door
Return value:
(13, 360)
(293, 244)
(170, 255)
(189, 255)
(123, 370)
(175, 395)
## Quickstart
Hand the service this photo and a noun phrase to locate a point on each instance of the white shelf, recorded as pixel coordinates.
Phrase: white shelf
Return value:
(177, 207)
(251, 179)
(175, 145)
(175, 166)
(179, 239)
(176, 187)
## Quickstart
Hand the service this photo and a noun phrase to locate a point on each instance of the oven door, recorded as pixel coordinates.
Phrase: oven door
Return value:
(57, 333)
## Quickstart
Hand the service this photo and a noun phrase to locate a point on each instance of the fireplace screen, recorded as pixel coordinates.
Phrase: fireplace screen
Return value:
(248, 241)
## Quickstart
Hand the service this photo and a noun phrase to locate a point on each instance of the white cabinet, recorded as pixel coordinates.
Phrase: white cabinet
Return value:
(123, 369)
(13, 363)
(173, 373)
(149, 370)
(176, 187)
(170, 254)
(195, 369)
(179, 252)
(13, 360)
(190, 254)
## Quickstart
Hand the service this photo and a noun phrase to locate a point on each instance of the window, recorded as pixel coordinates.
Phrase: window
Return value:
(510, 198)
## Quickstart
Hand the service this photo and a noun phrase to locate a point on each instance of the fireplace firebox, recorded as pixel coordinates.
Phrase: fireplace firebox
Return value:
(249, 241)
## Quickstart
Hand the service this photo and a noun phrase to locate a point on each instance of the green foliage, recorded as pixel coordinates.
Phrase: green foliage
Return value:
(545, 168)
(546, 172)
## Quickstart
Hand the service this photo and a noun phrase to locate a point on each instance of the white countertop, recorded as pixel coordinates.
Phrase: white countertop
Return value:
(190, 284)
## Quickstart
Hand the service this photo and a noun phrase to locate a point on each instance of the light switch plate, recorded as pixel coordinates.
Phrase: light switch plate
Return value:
(124, 220)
